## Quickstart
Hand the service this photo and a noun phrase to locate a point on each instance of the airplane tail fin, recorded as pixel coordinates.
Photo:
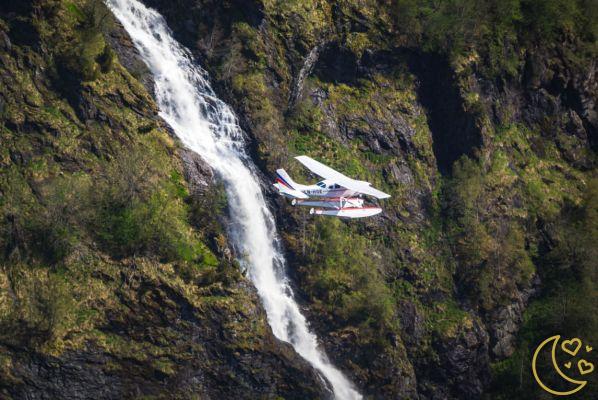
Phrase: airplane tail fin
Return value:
(284, 179)
(287, 186)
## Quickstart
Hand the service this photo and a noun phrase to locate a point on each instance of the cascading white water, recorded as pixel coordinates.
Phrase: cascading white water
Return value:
(208, 126)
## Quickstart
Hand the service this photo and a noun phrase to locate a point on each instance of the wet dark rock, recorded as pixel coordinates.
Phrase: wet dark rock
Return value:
(198, 173)
(454, 131)
(129, 56)
(337, 64)
(464, 361)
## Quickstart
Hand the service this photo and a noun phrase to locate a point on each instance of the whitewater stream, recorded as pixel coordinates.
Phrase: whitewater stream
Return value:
(208, 126)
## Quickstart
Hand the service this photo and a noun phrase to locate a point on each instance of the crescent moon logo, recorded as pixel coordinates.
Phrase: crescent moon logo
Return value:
(566, 346)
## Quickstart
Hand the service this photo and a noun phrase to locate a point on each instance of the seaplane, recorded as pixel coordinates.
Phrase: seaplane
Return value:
(337, 195)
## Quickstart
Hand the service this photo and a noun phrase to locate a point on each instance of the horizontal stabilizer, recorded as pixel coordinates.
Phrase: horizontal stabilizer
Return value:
(288, 192)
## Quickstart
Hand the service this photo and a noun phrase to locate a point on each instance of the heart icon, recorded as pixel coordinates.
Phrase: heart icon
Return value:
(571, 346)
(568, 365)
(588, 348)
(585, 367)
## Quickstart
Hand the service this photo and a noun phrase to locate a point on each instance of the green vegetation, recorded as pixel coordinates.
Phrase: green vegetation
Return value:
(491, 235)
(567, 305)
(84, 200)
(493, 28)
(101, 244)
(87, 55)
(492, 252)
(342, 275)
(141, 209)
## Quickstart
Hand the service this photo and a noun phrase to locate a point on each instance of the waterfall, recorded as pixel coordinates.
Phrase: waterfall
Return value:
(208, 126)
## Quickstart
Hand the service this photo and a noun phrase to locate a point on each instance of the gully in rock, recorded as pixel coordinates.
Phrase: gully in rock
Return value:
(208, 126)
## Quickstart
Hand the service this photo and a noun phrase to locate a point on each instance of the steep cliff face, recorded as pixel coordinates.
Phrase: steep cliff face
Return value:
(483, 133)
(115, 276)
(478, 117)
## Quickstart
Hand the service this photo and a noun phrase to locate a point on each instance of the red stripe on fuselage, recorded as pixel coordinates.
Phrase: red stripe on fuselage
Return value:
(279, 180)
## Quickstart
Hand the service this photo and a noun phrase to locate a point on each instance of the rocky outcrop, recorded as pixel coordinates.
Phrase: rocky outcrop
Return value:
(504, 322)
(304, 72)
(199, 357)
(198, 173)
(557, 84)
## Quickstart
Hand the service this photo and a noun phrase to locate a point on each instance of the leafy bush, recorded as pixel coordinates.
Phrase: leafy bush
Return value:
(343, 275)
(491, 26)
(88, 54)
(491, 249)
(140, 209)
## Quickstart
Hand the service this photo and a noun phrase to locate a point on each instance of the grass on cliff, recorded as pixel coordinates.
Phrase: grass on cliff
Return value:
(342, 275)
(131, 206)
(567, 305)
(457, 26)
(493, 204)
(91, 190)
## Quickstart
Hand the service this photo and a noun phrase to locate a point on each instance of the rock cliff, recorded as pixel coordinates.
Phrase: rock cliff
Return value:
(479, 119)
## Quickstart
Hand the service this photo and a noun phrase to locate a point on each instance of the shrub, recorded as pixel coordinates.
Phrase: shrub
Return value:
(491, 249)
(342, 274)
(58, 224)
(45, 225)
(140, 208)
(88, 54)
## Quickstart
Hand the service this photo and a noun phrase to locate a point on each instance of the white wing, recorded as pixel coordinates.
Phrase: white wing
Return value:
(328, 173)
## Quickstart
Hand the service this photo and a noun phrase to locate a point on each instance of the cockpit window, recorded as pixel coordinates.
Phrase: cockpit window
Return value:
(321, 184)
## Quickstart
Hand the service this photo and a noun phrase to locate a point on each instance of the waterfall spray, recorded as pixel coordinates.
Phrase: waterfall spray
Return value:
(208, 126)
